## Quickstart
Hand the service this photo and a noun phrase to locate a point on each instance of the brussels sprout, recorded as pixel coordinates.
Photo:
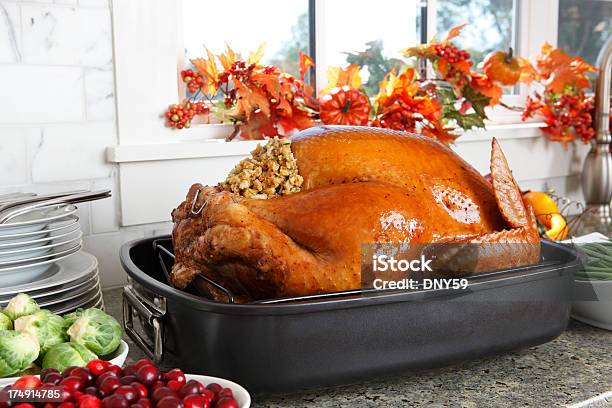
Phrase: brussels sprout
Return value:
(20, 305)
(17, 352)
(70, 318)
(5, 322)
(65, 355)
(48, 328)
(94, 329)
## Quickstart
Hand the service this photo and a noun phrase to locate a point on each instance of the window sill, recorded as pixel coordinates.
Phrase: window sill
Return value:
(207, 148)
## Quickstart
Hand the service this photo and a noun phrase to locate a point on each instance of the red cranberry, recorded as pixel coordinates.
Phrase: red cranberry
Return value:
(214, 387)
(137, 405)
(129, 392)
(156, 385)
(115, 369)
(4, 399)
(141, 390)
(84, 373)
(174, 385)
(72, 383)
(130, 369)
(68, 371)
(104, 376)
(128, 379)
(89, 401)
(115, 401)
(192, 387)
(66, 405)
(28, 381)
(227, 403)
(108, 386)
(145, 403)
(208, 394)
(144, 362)
(175, 374)
(97, 367)
(53, 378)
(24, 405)
(169, 402)
(162, 392)
(67, 395)
(46, 371)
(226, 392)
(147, 374)
(91, 390)
(196, 401)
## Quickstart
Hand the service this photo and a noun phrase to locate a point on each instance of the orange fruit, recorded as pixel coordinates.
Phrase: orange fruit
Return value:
(543, 206)
(547, 212)
(558, 229)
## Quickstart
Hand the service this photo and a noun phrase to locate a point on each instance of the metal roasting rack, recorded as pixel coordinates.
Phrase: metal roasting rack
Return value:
(576, 214)
(163, 248)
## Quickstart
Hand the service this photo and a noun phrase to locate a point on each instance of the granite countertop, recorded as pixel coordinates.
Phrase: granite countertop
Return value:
(575, 367)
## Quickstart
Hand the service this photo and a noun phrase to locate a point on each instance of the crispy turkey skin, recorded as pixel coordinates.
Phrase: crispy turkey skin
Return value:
(361, 185)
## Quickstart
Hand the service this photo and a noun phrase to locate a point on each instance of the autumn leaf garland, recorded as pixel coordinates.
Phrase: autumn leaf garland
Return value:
(263, 101)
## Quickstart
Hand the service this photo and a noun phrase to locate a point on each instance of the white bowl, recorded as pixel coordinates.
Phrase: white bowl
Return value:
(242, 396)
(597, 313)
(117, 358)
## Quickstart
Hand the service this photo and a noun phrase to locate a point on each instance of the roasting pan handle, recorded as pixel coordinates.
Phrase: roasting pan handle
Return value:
(131, 303)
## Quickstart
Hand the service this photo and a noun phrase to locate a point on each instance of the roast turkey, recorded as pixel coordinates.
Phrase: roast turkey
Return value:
(360, 185)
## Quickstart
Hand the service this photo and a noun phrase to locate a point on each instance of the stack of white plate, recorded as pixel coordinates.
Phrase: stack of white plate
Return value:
(69, 284)
(40, 254)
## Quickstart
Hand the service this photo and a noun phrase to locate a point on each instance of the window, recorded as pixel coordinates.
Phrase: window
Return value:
(369, 34)
(584, 26)
(282, 25)
(348, 31)
(495, 28)
(157, 34)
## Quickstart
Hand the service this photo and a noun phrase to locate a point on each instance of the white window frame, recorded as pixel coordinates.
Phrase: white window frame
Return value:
(149, 56)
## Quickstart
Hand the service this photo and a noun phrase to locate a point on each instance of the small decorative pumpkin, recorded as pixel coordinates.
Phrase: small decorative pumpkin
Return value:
(502, 67)
(345, 106)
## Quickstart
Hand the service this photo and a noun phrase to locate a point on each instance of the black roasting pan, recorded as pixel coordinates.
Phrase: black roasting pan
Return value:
(285, 346)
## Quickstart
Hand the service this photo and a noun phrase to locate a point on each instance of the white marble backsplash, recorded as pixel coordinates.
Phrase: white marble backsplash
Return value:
(57, 113)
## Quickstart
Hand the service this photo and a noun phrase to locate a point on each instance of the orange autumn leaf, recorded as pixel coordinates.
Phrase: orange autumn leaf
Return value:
(338, 77)
(258, 127)
(443, 66)
(560, 70)
(249, 99)
(528, 71)
(481, 83)
(421, 51)
(565, 76)
(550, 59)
(454, 32)
(228, 58)
(297, 121)
(305, 63)
(255, 57)
(463, 66)
(392, 85)
(437, 131)
(208, 69)
(269, 81)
